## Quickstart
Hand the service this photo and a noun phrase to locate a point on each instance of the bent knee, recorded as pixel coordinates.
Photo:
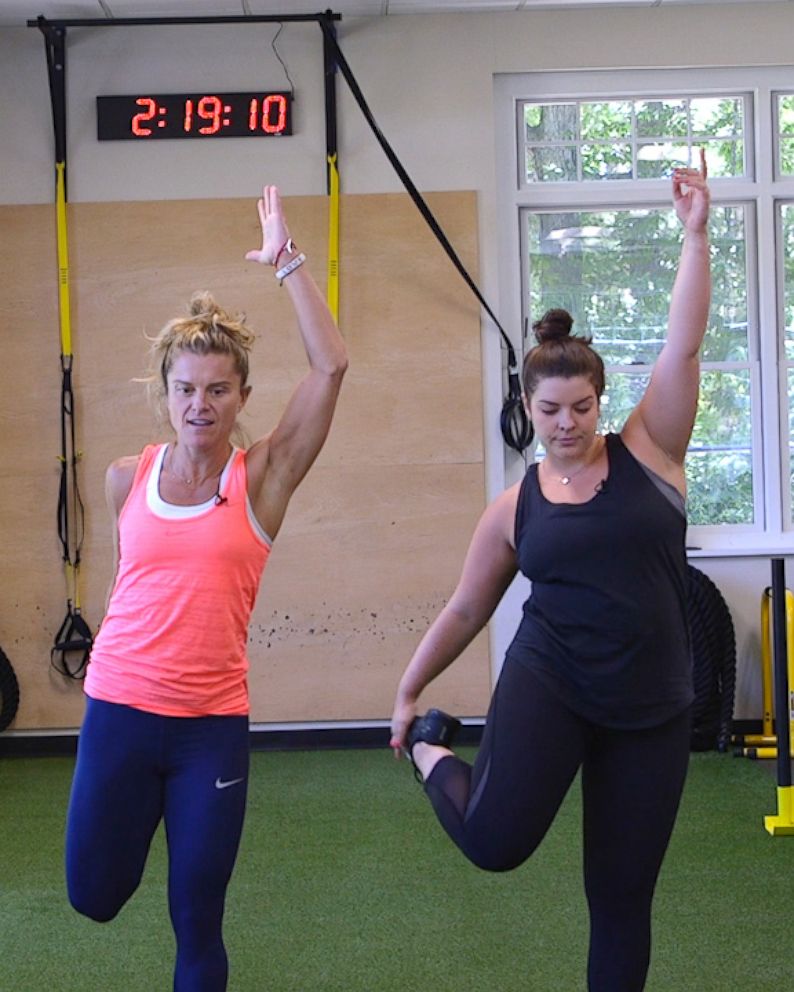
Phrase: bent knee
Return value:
(98, 912)
(102, 907)
(495, 860)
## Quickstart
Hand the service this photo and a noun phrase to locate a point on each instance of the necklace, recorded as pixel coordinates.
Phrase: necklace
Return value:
(192, 483)
(566, 480)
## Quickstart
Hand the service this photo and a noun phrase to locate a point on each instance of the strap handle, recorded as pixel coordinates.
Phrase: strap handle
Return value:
(74, 636)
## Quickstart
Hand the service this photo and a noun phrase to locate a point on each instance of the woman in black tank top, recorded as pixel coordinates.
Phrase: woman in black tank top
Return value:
(597, 678)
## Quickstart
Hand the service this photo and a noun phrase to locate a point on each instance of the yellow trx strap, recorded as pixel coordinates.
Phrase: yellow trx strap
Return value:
(333, 238)
(63, 261)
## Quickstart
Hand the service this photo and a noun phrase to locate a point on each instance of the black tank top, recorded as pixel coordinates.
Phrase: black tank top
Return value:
(605, 626)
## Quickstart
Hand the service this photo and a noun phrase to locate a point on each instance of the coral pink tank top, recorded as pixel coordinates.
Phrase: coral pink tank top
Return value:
(173, 641)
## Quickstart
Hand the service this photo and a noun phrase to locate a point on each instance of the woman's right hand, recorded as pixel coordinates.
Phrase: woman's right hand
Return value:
(274, 228)
(402, 717)
(691, 196)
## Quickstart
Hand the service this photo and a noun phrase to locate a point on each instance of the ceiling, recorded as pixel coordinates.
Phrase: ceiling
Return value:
(18, 12)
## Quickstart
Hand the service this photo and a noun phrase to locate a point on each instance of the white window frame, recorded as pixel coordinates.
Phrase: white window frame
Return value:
(761, 189)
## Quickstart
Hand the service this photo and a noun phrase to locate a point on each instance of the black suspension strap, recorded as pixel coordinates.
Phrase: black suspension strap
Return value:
(516, 430)
(516, 427)
(74, 636)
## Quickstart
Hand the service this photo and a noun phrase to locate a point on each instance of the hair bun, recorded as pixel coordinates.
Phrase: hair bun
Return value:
(553, 325)
(203, 304)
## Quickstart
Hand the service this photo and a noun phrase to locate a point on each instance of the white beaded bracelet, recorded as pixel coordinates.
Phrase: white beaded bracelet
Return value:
(294, 263)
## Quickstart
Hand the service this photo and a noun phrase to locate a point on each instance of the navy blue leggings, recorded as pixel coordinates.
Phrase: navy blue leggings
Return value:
(499, 811)
(134, 769)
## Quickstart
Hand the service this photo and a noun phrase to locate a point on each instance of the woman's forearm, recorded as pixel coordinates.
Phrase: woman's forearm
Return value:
(446, 639)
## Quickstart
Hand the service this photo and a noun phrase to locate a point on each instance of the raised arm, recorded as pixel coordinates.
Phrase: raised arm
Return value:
(488, 570)
(278, 462)
(665, 416)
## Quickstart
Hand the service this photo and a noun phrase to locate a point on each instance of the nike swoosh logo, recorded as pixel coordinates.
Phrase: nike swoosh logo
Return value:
(220, 784)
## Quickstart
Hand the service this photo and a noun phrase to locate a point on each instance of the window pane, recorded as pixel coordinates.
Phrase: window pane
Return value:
(551, 165)
(787, 237)
(614, 271)
(727, 337)
(712, 116)
(661, 118)
(606, 121)
(785, 110)
(719, 464)
(787, 156)
(605, 161)
(640, 139)
(549, 122)
(724, 158)
(654, 161)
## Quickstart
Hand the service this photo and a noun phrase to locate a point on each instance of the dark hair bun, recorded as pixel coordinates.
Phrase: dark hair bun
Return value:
(553, 325)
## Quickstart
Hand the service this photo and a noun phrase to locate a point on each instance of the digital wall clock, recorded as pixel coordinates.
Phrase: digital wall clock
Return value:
(151, 116)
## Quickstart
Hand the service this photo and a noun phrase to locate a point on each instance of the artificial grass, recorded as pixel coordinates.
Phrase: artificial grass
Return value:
(345, 883)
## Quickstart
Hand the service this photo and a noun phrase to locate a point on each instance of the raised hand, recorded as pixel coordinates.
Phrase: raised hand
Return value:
(274, 227)
(691, 196)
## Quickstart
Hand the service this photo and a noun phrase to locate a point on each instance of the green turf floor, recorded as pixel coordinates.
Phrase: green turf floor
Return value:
(346, 884)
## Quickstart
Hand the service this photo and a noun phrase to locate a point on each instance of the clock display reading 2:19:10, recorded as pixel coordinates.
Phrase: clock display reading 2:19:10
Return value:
(194, 115)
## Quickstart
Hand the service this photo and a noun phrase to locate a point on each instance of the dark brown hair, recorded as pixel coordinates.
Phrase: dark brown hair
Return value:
(560, 353)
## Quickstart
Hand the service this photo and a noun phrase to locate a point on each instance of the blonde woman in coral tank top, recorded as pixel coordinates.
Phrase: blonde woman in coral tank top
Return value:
(165, 735)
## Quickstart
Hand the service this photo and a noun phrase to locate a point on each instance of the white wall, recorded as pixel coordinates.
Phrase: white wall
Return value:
(428, 80)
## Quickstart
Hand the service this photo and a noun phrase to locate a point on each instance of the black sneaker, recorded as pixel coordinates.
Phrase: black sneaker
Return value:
(435, 727)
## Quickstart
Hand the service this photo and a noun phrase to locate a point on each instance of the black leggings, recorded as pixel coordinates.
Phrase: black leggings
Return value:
(499, 811)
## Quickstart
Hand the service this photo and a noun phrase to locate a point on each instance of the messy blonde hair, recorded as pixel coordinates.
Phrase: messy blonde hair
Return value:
(206, 330)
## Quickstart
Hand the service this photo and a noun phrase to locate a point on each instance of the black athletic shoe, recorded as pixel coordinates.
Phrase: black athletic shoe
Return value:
(435, 727)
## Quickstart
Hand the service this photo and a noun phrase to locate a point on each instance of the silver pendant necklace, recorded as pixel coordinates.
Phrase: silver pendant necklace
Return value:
(566, 480)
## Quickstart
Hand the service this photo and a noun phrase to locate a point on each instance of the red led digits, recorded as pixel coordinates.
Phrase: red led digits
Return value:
(209, 109)
(138, 121)
(274, 101)
(280, 102)
(194, 115)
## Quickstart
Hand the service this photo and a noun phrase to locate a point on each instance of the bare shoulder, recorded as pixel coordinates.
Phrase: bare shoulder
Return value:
(119, 478)
(508, 500)
(499, 516)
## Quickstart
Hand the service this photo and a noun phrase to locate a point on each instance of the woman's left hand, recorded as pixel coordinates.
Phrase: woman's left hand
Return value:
(274, 228)
(402, 717)
(691, 196)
